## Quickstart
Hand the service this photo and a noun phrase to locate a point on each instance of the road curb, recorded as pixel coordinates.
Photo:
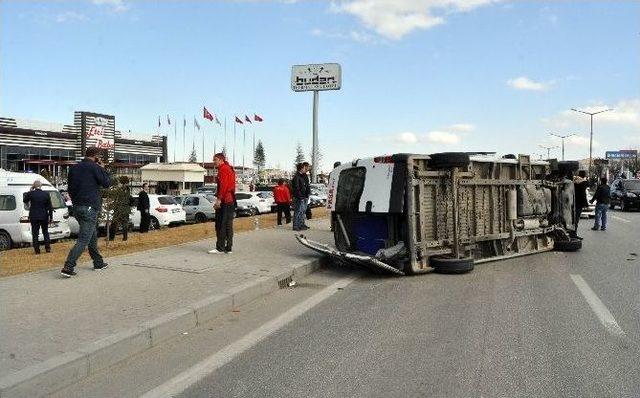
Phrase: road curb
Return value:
(71, 367)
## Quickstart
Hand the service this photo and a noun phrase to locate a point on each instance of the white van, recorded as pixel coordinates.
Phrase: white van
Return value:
(15, 228)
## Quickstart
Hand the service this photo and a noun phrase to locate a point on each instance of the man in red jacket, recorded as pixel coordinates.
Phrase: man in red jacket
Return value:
(225, 204)
(282, 197)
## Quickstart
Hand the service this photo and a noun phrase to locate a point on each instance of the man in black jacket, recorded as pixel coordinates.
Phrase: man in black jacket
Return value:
(144, 207)
(300, 190)
(580, 184)
(40, 215)
(603, 198)
(85, 180)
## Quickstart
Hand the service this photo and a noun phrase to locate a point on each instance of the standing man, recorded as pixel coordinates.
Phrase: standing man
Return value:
(603, 198)
(40, 215)
(301, 190)
(121, 197)
(282, 197)
(85, 180)
(580, 184)
(144, 207)
(225, 204)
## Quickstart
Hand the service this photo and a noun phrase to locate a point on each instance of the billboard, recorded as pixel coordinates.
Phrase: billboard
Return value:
(622, 154)
(99, 131)
(316, 77)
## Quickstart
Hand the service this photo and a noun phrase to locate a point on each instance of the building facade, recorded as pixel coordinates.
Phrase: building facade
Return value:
(51, 148)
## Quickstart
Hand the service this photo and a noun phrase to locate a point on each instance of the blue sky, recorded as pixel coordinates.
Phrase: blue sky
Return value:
(418, 76)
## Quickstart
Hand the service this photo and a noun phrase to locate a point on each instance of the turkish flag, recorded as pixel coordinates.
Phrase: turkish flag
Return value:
(257, 118)
(247, 118)
(238, 120)
(207, 114)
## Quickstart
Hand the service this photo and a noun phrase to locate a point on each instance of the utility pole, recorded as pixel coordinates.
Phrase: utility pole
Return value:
(548, 148)
(591, 114)
(562, 137)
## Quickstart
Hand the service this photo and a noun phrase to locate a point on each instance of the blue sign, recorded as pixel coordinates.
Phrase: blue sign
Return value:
(623, 154)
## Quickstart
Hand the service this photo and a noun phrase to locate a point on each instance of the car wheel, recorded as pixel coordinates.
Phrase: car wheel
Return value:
(572, 245)
(5, 241)
(448, 265)
(612, 205)
(622, 206)
(154, 224)
(446, 160)
(200, 218)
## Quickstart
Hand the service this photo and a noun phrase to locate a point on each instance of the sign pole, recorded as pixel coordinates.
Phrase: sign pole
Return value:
(314, 150)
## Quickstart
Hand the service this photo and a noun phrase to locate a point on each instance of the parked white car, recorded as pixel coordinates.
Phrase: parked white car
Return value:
(199, 207)
(164, 211)
(15, 228)
(262, 201)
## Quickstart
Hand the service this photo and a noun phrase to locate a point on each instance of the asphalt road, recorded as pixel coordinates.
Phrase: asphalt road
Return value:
(547, 325)
(508, 329)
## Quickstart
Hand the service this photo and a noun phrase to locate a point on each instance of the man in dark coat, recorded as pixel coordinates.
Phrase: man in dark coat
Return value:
(40, 215)
(300, 190)
(603, 199)
(580, 184)
(85, 180)
(144, 207)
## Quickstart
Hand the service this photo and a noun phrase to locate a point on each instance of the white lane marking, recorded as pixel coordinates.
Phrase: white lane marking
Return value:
(199, 371)
(620, 218)
(598, 307)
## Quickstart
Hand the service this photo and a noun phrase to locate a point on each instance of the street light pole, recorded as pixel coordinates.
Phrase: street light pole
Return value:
(562, 137)
(591, 114)
(548, 148)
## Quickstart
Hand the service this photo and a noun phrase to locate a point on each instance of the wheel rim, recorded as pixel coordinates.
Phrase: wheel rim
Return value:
(153, 224)
(5, 242)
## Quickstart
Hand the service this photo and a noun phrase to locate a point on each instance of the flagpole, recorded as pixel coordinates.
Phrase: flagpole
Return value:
(225, 133)
(184, 136)
(193, 140)
(203, 131)
(234, 143)
(175, 138)
(244, 134)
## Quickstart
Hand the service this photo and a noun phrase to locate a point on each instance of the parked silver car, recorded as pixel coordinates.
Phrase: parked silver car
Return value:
(199, 207)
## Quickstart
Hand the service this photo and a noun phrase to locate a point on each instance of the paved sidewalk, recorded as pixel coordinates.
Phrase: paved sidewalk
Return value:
(43, 315)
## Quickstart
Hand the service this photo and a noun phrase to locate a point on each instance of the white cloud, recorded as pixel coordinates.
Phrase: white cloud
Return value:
(625, 114)
(70, 16)
(575, 140)
(394, 19)
(524, 83)
(407, 138)
(115, 5)
(442, 137)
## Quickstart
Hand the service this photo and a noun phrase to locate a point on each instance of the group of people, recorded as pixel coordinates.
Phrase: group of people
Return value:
(88, 178)
(298, 195)
(602, 197)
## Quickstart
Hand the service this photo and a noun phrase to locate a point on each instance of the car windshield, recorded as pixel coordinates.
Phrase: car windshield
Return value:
(632, 185)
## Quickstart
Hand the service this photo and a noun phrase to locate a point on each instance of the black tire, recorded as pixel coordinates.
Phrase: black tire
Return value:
(200, 218)
(5, 241)
(154, 224)
(566, 166)
(623, 207)
(445, 160)
(572, 245)
(448, 265)
(612, 205)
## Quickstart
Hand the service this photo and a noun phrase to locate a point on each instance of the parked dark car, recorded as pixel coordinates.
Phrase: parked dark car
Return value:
(625, 194)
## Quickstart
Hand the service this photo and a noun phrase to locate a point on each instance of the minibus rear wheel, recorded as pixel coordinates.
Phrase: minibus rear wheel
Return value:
(449, 265)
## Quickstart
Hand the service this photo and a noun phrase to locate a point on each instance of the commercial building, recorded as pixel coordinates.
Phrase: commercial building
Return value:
(39, 147)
